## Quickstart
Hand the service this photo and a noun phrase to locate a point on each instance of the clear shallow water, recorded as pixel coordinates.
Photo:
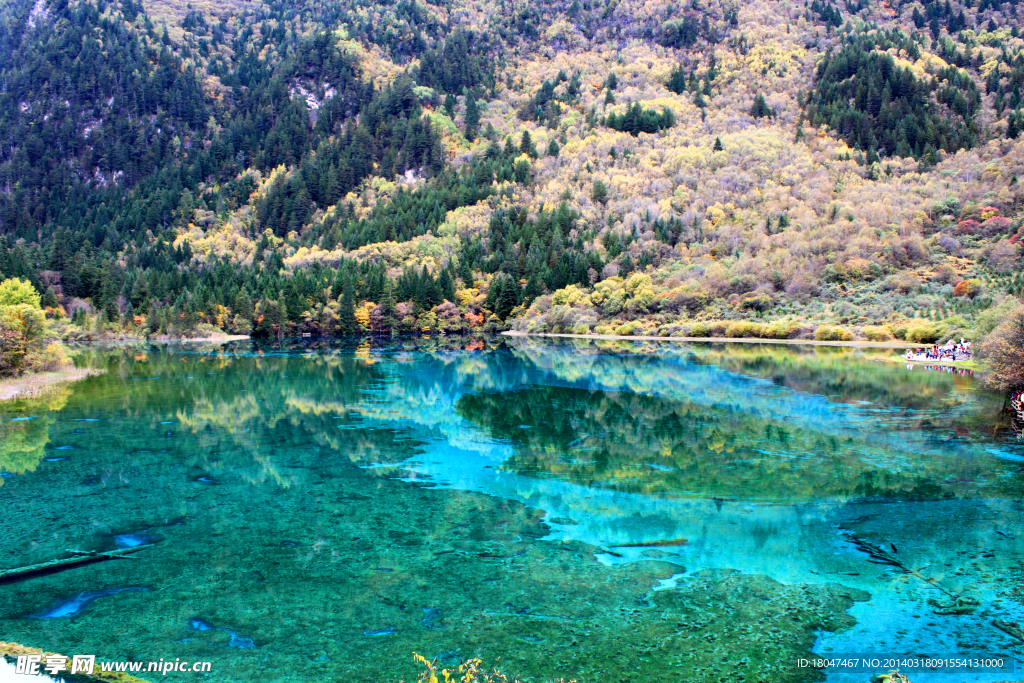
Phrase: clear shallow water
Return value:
(599, 511)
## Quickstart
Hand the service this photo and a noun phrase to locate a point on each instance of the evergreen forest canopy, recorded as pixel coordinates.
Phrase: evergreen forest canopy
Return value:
(638, 168)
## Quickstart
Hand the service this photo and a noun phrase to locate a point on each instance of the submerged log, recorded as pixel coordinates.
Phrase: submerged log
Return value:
(81, 557)
(671, 543)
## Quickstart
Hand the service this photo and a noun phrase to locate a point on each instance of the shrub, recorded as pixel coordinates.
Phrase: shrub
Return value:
(699, 330)
(988, 320)
(627, 329)
(51, 359)
(241, 325)
(830, 333)
(944, 274)
(880, 333)
(923, 334)
(969, 288)
(24, 319)
(760, 302)
(718, 328)
(781, 329)
(744, 328)
(1004, 349)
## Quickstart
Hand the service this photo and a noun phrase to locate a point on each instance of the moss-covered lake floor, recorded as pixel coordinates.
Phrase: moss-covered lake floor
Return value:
(343, 575)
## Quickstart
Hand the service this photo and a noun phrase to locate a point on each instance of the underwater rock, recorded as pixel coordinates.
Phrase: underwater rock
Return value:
(234, 639)
(71, 607)
(240, 642)
(200, 625)
(431, 615)
(136, 538)
(390, 630)
(449, 658)
(564, 521)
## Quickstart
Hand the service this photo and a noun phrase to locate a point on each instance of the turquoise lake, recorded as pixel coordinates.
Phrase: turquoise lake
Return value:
(598, 511)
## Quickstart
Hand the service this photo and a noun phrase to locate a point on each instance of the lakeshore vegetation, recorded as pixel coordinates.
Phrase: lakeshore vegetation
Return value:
(704, 168)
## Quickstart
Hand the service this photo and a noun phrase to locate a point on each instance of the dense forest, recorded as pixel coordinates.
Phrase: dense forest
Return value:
(277, 168)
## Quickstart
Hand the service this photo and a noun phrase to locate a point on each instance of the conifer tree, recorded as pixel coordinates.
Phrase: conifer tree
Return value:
(472, 117)
(347, 309)
(760, 108)
(388, 305)
(507, 298)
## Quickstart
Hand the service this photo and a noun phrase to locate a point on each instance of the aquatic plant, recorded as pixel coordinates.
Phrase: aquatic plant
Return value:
(469, 671)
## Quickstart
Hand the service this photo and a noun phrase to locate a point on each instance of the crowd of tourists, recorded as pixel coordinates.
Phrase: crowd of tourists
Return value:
(950, 351)
(1017, 414)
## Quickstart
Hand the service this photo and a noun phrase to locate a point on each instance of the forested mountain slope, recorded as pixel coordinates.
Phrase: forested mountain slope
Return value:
(655, 167)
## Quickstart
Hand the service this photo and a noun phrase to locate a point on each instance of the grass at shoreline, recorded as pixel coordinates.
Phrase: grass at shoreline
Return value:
(896, 344)
(38, 383)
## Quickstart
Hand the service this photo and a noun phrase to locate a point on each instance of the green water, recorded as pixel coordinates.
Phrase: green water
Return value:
(604, 512)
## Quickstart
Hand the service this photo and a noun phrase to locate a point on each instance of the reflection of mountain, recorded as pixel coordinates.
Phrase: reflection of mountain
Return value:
(25, 431)
(690, 374)
(241, 407)
(636, 443)
(726, 420)
(842, 374)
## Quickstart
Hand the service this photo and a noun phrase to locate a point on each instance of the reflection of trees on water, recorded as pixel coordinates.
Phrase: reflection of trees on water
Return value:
(839, 373)
(847, 374)
(835, 390)
(699, 420)
(635, 443)
(25, 430)
(243, 408)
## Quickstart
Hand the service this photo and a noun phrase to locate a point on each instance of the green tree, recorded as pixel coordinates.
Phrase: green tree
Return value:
(600, 192)
(760, 108)
(507, 299)
(347, 309)
(16, 291)
(526, 144)
(472, 117)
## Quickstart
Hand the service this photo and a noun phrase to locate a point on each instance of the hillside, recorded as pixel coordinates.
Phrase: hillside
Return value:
(699, 167)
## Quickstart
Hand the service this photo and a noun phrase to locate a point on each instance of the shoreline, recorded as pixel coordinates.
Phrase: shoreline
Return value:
(186, 340)
(37, 383)
(971, 364)
(895, 344)
(162, 340)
